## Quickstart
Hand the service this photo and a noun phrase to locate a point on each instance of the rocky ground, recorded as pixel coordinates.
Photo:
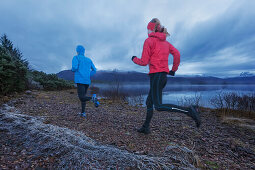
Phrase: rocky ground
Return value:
(216, 144)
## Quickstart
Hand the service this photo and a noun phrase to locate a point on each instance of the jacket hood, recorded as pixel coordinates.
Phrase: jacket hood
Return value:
(80, 50)
(161, 36)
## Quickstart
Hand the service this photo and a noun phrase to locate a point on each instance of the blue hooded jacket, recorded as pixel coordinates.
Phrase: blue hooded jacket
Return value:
(82, 67)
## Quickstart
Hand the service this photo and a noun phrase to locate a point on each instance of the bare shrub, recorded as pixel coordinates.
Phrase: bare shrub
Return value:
(246, 102)
(115, 94)
(235, 104)
(217, 101)
(136, 100)
(187, 101)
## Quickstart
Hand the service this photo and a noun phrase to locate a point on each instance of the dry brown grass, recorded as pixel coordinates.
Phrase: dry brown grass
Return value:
(235, 105)
(242, 122)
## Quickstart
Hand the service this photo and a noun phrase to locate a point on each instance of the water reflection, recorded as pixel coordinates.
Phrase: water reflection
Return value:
(177, 94)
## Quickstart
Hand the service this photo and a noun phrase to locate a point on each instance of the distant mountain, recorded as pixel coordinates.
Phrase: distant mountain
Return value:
(109, 76)
(246, 74)
(132, 76)
(66, 74)
(241, 80)
(120, 76)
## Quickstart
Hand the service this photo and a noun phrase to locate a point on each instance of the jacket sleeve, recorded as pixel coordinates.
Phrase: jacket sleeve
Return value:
(176, 55)
(75, 64)
(146, 54)
(93, 69)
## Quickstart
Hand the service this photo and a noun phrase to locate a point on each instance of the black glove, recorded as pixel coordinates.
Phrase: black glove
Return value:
(172, 73)
(133, 57)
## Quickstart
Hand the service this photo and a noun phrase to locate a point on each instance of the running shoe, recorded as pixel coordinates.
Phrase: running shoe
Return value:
(83, 114)
(195, 115)
(95, 101)
(144, 130)
(94, 96)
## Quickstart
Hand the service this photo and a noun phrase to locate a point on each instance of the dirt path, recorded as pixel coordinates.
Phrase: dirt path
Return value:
(70, 149)
(216, 145)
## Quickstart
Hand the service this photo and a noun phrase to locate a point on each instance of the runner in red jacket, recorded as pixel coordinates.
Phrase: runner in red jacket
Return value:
(156, 51)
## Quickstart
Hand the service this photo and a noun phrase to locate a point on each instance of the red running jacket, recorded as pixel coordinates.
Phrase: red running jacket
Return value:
(156, 51)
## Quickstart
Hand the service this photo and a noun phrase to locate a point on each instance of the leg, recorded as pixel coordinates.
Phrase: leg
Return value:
(158, 86)
(146, 126)
(149, 113)
(149, 104)
(82, 90)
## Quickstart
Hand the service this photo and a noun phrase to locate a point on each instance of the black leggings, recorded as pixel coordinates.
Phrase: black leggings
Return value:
(157, 83)
(82, 90)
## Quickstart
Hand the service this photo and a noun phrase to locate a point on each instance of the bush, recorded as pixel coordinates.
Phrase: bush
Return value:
(51, 81)
(235, 104)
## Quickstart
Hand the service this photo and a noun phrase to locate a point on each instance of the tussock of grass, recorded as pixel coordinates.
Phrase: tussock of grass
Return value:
(242, 122)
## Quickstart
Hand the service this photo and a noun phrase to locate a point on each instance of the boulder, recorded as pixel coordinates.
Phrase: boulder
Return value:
(34, 85)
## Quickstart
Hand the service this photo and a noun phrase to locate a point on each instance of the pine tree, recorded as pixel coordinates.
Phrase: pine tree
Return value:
(13, 69)
(14, 52)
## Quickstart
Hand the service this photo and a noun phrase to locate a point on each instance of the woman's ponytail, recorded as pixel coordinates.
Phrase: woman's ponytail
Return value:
(164, 30)
(158, 27)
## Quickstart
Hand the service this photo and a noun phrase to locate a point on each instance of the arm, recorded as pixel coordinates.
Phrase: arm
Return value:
(93, 69)
(75, 64)
(145, 55)
(176, 55)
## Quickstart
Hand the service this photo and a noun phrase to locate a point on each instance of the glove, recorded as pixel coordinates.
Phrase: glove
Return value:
(172, 73)
(133, 57)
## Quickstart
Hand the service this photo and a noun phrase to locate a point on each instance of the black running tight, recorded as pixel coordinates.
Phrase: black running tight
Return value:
(157, 83)
(82, 90)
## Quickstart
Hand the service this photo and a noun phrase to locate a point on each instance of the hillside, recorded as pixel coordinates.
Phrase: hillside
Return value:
(109, 76)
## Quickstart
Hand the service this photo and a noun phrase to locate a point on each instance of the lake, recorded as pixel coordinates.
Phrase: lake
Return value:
(179, 94)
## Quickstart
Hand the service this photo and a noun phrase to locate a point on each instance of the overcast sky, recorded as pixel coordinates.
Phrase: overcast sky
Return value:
(214, 37)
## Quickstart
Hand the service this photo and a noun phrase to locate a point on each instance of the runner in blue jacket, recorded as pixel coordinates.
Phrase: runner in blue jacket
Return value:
(83, 69)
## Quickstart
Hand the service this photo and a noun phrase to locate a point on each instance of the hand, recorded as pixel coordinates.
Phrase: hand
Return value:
(133, 57)
(172, 73)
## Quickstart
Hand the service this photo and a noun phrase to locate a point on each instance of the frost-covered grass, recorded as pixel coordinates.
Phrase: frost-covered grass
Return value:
(76, 150)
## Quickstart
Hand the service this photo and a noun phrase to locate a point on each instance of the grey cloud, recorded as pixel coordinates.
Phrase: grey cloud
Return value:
(229, 29)
(47, 32)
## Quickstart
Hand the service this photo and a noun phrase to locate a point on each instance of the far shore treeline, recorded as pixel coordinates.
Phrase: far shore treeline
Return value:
(17, 76)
